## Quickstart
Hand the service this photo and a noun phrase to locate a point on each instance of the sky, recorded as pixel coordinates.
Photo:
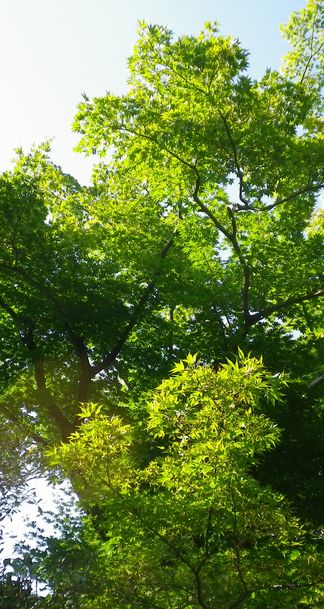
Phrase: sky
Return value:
(54, 50)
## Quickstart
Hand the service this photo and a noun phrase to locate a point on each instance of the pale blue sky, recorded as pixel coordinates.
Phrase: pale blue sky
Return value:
(53, 50)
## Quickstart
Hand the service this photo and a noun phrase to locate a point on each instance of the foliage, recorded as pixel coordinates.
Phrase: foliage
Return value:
(16, 593)
(305, 33)
(193, 528)
(202, 233)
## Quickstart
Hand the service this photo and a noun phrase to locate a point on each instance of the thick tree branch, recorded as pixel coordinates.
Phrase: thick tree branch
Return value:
(209, 529)
(81, 352)
(77, 342)
(44, 395)
(224, 336)
(26, 333)
(199, 590)
(319, 379)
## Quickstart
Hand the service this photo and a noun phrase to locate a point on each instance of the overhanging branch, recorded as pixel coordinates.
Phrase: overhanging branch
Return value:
(293, 195)
(256, 317)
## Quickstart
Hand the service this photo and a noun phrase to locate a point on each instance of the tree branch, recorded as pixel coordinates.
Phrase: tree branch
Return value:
(81, 351)
(137, 312)
(247, 206)
(45, 398)
(155, 141)
(273, 588)
(312, 53)
(239, 171)
(245, 269)
(301, 191)
(256, 317)
(38, 439)
(308, 62)
(77, 342)
(236, 547)
(205, 209)
(232, 238)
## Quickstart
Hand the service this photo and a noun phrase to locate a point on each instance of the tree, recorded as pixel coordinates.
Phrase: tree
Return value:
(200, 233)
(192, 527)
(16, 593)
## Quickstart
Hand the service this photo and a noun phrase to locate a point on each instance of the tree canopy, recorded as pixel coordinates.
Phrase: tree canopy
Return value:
(201, 233)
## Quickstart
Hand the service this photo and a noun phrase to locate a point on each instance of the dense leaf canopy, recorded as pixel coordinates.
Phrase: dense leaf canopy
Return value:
(201, 232)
